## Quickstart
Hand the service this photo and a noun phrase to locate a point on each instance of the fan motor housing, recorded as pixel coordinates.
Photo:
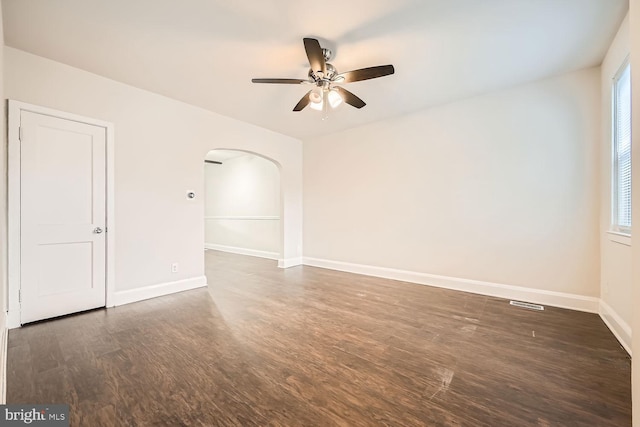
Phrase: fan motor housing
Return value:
(331, 72)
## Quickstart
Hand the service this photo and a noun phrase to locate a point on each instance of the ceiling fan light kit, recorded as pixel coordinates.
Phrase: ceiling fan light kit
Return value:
(327, 93)
(317, 98)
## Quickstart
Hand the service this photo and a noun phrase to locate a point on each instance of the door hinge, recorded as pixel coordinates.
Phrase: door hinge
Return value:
(19, 295)
(20, 133)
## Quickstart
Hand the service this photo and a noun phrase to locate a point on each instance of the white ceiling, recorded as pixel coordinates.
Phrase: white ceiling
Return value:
(205, 52)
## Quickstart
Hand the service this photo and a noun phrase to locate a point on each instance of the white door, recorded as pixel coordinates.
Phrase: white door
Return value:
(62, 216)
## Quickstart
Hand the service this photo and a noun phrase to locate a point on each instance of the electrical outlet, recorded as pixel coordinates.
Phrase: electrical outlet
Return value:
(174, 267)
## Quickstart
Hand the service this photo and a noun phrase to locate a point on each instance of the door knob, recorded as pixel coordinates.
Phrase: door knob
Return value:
(97, 230)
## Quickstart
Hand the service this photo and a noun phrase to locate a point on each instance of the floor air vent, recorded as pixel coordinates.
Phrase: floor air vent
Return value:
(527, 305)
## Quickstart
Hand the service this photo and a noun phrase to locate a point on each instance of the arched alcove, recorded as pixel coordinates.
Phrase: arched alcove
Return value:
(243, 210)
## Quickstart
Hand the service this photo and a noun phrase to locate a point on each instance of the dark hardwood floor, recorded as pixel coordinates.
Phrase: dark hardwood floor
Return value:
(313, 347)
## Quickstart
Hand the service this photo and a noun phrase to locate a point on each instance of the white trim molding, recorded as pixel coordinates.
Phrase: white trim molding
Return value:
(289, 262)
(243, 218)
(242, 251)
(539, 296)
(617, 237)
(161, 289)
(620, 329)
(13, 202)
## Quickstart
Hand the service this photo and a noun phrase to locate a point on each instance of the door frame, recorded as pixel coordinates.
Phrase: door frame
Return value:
(15, 109)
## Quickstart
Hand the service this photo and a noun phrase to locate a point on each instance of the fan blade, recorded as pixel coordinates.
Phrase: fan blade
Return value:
(366, 73)
(315, 56)
(281, 81)
(302, 103)
(350, 98)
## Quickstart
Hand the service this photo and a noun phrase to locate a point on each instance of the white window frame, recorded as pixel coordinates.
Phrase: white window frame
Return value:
(615, 227)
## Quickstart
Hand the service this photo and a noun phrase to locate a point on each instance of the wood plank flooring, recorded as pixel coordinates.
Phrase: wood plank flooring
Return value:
(313, 347)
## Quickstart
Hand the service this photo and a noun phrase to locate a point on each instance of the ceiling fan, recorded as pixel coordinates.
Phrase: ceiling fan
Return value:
(325, 77)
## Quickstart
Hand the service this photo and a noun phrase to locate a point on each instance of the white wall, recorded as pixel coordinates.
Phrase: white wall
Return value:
(160, 147)
(615, 251)
(242, 206)
(634, 31)
(501, 188)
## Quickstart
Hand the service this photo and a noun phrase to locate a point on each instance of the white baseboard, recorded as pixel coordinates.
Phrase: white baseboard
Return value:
(539, 296)
(147, 292)
(242, 251)
(616, 324)
(289, 262)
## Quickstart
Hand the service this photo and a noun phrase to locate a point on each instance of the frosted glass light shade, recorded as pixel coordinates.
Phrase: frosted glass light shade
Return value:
(316, 105)
(334, 98)
(316, 99)
(316, 96)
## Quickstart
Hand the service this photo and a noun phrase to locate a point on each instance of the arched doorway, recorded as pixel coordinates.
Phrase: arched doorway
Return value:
(243, 210)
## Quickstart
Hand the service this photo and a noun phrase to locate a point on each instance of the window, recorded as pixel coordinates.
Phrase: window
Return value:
(621, 200)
